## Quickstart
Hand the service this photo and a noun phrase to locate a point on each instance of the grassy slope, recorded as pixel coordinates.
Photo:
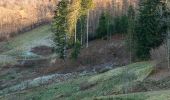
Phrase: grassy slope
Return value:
(154, 95)
(28, 40)
(21, 45)
(87, 87)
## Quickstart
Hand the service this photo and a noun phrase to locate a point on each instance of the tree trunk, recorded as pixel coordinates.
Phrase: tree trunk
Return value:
(87, 35)
(75, 34)
(168, 34)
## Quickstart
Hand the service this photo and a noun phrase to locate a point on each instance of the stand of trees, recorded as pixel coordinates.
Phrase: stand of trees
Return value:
(149, 30)
(68, 14)
(144, 30)
(109, 25)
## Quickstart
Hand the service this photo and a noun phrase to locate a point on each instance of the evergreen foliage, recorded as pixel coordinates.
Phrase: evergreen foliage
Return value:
(76, 50)
(121, 24)
(148, 28)
(65, 24)
(59, 28)
(102, 29)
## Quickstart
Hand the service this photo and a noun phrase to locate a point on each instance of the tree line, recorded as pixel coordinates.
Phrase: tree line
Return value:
(68, 14)
(144, 28)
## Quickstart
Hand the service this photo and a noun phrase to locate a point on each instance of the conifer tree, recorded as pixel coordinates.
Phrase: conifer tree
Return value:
(102, 29)
(60, 28)
(148, 33)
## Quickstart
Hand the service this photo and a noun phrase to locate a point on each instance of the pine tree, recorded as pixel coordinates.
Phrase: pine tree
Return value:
(102, 29)
(148, 33)
(60, 28)
(123, 24)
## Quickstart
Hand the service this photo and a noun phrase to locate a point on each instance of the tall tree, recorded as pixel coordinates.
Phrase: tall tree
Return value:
(148, 33)
(86, 6)
(73, 16)
(102, 29)
(60, 28)
(131, 28)
(166, 9)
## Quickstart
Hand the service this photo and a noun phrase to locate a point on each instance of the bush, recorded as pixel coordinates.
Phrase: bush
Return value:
(159, 55)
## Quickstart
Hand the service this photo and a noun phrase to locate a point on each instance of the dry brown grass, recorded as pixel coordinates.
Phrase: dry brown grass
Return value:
(99, 52)
(159, 55)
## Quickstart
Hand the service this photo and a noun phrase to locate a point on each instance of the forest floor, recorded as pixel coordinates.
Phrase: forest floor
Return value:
(28, 68)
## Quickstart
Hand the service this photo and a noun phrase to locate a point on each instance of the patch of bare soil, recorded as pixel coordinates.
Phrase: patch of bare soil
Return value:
(99, 52)
(85, 85)
(160, 73)
(42, 50)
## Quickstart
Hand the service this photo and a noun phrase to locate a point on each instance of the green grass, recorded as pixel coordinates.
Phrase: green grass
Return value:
(20, 46)
(26, 41)
(114, 81)
(7, 60)
(153, 95)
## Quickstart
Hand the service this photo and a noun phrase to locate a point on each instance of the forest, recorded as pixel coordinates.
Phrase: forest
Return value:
(84, 49)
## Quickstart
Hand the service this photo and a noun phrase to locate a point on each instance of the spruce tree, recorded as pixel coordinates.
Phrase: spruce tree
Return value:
(148, 33)
(102, 29)
(60, 28)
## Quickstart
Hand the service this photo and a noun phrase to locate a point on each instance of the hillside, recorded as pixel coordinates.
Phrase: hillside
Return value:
(111, 85)
(84, 50)
(87, 87)
(18, 16)
(22, 15)
(30, 55)
(93, 79)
